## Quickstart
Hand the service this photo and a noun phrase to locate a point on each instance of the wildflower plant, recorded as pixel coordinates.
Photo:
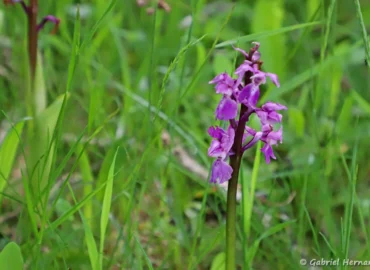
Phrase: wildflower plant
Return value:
(239, 101)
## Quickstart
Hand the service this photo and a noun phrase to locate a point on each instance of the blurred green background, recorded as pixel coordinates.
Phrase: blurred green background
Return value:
(137, 83)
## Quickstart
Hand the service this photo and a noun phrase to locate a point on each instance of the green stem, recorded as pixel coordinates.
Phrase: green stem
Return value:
(235, 161)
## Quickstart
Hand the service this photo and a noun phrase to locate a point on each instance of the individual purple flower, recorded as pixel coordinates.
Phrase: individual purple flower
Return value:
(227, 108)
(220, 148)
(224, 84)
(249, 95)
(270, 138)
(222, 141)
(268, 115)
(242, 94)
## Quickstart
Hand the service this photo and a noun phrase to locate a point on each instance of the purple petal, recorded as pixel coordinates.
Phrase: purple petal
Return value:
(250, 131)
(241, 70)
(245, 92)
(249, 95)
(228, 140)
(253, 99)
(216, 132)
(221, 172)
(274, 117)
(227, 109)
(259, 78)
(218, 78)
(274, 78)
(268, 152)
(254, 140)
(242, 51)
(267, 117)
(274, 136)
(215, 150)
(262, 115)
(244, 67)
(256, 56)
(271, 106)
(266, 129)
(223, 88)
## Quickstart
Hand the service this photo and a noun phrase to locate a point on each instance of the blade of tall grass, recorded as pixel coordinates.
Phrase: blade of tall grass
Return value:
(362, 103)
(248, 191)
(106, 208)
(319, 94)
(146, 257)
(301, 78)
(172, 66)
(88, 179)
(198, 72)
(257, 36)
(352, 178)
(271, 231)
(363, 30)
(198, 230)
(314, 233)
(74, 209)
(95, 28)
(92, 249)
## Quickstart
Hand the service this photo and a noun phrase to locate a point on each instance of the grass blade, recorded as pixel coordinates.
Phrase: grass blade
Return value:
(106, 208)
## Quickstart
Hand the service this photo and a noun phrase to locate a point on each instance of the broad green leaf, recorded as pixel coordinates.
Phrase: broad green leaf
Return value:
(11, 257)
(8, 150)
(42, 147)
(218, 262)
(39, 90)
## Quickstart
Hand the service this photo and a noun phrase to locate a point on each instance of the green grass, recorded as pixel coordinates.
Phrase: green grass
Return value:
(111, 171)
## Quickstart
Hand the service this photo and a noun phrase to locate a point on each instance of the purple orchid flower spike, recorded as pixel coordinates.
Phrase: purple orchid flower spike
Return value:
(242, 95)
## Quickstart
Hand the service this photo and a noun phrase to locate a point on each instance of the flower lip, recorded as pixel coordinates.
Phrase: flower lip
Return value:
(221, 171)
(227, 109)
